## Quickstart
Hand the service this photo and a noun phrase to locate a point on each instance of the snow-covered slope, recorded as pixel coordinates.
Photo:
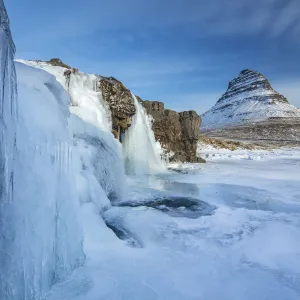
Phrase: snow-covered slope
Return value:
(249, 98)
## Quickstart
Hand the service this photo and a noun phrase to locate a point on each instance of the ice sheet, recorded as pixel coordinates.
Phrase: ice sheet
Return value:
(248, 248)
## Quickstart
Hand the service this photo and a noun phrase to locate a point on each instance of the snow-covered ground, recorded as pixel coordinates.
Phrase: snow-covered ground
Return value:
(210, 152)
(239, 240)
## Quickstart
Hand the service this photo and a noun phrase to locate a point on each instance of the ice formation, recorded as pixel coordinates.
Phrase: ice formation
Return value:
(86, 97)
(41, 240)
(53, 164)
(8, 118)
(47, 234)
(142, 154)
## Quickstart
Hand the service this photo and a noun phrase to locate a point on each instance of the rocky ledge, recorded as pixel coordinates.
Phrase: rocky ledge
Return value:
(178, 133)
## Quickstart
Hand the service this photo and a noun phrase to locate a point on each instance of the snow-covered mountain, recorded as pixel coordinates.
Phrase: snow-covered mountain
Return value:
(249, 98)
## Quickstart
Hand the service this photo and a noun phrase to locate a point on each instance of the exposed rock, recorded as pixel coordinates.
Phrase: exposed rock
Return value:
(249, 98)
(58, 63)
(120, 101)
(68, 73)
(178, 133)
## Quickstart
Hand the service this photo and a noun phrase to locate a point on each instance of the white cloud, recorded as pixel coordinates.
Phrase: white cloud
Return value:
(289, 15)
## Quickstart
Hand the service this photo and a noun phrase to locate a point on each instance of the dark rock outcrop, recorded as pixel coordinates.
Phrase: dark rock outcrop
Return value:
(178, 133)
(120, 101)
(58, 63)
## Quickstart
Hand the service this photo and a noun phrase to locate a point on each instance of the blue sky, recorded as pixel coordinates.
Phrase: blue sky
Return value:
(181, 52)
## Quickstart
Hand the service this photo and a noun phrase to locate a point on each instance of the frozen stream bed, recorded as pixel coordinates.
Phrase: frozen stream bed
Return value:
(229, 229)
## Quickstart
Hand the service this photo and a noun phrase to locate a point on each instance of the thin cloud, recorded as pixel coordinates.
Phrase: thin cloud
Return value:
(197, 17)
(290, 89)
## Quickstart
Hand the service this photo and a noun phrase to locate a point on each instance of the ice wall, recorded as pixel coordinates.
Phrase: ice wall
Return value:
(8, 117)
(48, 237)
(142, 153)
(90, 125)
(102, 175)
(63, 164)
(40, 237)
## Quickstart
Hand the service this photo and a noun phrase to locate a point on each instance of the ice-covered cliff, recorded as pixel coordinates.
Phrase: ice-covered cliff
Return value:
(249, 98)
(108, 105)
(113, 108)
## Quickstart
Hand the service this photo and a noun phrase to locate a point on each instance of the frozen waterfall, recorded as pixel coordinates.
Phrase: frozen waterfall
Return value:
(85, 94)
(53, 165)
(40, 241)
(142, 154)
(8, 117)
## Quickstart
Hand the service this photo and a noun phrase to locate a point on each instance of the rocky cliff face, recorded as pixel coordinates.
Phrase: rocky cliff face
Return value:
(120, 101)
(178, 133)
(249, 97)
